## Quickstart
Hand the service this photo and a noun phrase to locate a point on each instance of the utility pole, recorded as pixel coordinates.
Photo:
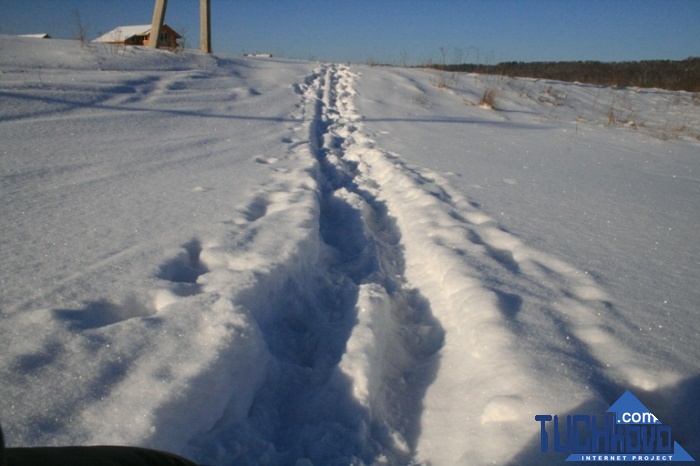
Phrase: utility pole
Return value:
(157, 23)
(205, 26)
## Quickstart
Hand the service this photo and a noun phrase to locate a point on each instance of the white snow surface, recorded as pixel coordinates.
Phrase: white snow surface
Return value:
(267, 261)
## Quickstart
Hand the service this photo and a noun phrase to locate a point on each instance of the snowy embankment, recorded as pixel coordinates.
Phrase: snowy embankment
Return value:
(254, 260)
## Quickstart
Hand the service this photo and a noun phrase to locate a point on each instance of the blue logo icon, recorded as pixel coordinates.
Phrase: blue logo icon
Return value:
(627, 432)
(629, 410)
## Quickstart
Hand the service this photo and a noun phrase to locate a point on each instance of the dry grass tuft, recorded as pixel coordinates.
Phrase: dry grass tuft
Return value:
(488, 99)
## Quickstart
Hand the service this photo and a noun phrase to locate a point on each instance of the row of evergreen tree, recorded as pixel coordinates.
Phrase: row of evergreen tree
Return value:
(679, 75)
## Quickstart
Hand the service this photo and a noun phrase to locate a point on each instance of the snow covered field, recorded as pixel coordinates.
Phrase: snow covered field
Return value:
(261, 261)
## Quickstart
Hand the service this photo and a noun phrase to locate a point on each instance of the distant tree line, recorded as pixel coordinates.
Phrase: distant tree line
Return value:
(665, 74)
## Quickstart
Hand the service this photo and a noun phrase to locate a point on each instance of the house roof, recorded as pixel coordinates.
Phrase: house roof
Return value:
(122, 33)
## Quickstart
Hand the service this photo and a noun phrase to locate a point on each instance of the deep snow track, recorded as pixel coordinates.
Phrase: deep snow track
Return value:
(391, 355)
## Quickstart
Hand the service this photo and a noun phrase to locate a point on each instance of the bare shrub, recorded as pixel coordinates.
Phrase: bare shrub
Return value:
(182, 41)
(488, 99)
(443, 80)
(611, 115)
(80, 28)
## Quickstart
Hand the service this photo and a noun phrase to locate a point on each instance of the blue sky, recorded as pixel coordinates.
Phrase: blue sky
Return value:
(398, 31)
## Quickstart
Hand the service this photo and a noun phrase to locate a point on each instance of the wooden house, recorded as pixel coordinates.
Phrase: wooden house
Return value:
(140, 35)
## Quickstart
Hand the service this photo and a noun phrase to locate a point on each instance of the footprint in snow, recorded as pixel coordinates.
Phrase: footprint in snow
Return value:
(264, 160)
(182, 271)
